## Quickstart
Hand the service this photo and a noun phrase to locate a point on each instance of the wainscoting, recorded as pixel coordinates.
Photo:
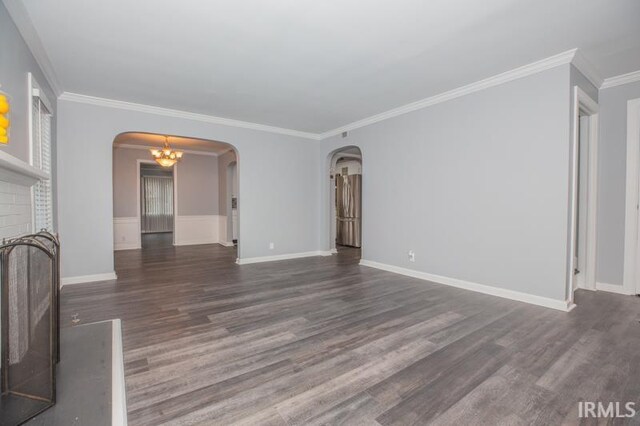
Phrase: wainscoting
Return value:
(190, 230)
(222, 232)
(126, 233)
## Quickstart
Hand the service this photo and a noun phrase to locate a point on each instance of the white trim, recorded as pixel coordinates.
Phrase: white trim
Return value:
(612, 288)
(560, 305)
(81, 279)
(505, 77)
(226, 243)
(149, 109)
(569, 56)
(249, 260)
(631, 199)
(619, 80)
(186, 151)
(21, 18)
(36, 90)
(118, 388)
(586, 68)
(582, 102)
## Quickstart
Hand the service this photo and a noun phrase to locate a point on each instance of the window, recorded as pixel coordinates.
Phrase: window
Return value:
(41, 158)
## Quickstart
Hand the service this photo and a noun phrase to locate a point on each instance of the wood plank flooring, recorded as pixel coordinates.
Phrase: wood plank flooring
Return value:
(325, 341)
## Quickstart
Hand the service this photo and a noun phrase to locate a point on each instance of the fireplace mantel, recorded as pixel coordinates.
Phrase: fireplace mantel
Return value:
(14, 170)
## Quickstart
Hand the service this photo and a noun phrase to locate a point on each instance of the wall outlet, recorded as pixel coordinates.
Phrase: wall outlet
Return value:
(412, 256)
(272, 246)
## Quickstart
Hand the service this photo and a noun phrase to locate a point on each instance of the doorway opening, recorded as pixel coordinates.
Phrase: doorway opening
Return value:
(584, 166)
(156, 188)
(159, 205)
(346, 202)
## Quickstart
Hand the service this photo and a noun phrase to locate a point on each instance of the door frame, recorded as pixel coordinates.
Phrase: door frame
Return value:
(631, 278)
(175, 199)
(582, 102)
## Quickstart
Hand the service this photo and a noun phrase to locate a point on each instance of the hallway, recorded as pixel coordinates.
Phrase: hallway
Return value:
(323, 340)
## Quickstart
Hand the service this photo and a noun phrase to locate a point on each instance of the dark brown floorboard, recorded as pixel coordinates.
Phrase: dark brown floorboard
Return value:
(323, 340)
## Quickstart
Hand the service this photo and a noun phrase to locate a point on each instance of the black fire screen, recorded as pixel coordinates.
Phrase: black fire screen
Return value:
(29, 320)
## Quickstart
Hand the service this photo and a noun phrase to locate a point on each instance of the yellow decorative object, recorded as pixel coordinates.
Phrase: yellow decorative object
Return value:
(5, 123)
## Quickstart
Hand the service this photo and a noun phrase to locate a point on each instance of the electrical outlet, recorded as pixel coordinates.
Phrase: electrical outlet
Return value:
(412, 256)
(272, 246)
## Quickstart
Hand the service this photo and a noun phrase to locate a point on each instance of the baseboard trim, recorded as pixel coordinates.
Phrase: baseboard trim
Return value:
(133, 246)
(546, 302)
(81, 279)
(612, 288)
(194, 243)
(249, 260)
(226, 243)
(118, 388)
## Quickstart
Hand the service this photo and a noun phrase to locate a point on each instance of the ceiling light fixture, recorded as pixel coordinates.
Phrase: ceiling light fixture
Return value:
(166, 156)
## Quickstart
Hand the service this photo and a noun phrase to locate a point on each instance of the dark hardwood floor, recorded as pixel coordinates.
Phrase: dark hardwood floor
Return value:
(323, 340)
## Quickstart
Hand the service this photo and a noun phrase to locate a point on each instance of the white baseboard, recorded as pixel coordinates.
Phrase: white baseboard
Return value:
(612, 288)
(480, 288)
(81, 279)
(193, 230)
(126, 233)
(126, 246)
(277, 257)
(118, 388)
(226, 243)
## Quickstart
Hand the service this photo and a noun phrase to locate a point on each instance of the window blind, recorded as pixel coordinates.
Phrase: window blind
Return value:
(41, 158)
(156, 199)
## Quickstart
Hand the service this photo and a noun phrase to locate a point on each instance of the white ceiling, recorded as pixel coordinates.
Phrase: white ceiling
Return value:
(152, 140)
(314, 65)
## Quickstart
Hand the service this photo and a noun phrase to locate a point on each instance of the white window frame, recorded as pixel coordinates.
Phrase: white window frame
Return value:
(34, 89)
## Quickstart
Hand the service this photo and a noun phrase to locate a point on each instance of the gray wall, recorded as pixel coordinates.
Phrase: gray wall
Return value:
(612, 180)
(16, 61)
(483, 192)
(197, 183)
(282, 209)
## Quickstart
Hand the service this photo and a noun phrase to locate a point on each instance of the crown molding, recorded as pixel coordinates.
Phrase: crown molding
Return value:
(587, 69)
(167, 112)
(21, 19)
(505, 77)
(186, 151)
(619, 80)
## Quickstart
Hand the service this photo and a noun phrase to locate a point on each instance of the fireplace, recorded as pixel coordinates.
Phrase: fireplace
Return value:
(29, 326)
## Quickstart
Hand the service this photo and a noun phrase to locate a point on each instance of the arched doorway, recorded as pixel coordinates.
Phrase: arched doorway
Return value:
(179, 204)
(345, 201)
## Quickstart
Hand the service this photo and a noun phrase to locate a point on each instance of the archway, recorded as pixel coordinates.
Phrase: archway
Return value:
(345, 200)
(194, 213)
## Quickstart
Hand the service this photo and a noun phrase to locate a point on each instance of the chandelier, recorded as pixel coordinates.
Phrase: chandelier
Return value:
(166, 156)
